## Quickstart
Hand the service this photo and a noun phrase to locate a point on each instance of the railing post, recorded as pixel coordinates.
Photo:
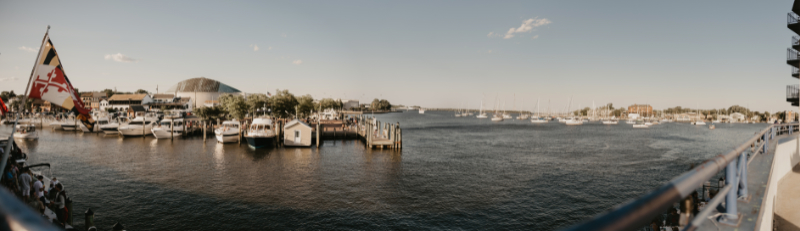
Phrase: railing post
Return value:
(731, 216)
(743, 175)
(766, 144)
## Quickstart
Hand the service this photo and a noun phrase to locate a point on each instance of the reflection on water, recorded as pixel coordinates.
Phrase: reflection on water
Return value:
(452, 174)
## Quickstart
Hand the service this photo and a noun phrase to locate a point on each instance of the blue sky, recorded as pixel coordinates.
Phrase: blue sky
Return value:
(710, 54)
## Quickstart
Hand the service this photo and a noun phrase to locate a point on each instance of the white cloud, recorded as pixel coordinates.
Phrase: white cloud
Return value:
(30, 49)
(526, 27)
(255, 47)
(9, 79)
(297, 62)
(490, 34)
(119, 57)
(535, 36)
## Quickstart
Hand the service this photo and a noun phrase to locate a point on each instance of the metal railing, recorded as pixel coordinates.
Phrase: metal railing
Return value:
(792, 92)
(791, 54)
(792, 18)
(795, 72)
(638, 213)
(795, 40)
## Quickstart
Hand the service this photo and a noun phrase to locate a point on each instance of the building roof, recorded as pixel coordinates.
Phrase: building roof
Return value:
(202, 84)
(295, 122)
(163, 96)
(137, 97)
(93, 94)
(136, 108)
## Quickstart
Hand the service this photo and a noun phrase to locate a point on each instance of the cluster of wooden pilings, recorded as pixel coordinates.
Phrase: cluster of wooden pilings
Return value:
(379, 135)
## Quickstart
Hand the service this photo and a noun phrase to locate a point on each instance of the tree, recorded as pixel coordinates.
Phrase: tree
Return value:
(305, 104)
(379, 105)
(282, 103)
(109, 92)
(234, 105)
(7, 95)
(329, 103)
(255, 102)
(141, 91)
(209, 113)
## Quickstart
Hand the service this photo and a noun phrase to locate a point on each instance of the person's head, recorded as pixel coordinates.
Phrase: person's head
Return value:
(40, 177)
(54, 179)
(59, 187)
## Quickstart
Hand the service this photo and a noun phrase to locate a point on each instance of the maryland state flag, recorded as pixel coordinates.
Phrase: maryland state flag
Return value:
(3, 108)
(51, 84)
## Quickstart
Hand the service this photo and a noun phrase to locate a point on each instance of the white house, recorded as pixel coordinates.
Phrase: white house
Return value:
(121, 102)
(737, 117)
(297, 133)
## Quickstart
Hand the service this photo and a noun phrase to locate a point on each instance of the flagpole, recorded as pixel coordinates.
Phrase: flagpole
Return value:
(4, 161)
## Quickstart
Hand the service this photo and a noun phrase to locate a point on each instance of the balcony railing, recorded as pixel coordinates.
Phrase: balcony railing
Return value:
(792, 18)
(637, 213)
(792, 92)
(791, 55)
(795, 72)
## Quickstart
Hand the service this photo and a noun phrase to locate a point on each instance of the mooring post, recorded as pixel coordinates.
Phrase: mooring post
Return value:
(204, 131)
(318, 138)
(88, 219)
(172, 130)
(731, 215)
(743, 175)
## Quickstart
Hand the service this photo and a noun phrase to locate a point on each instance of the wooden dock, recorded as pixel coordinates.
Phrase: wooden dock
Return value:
(372, 132)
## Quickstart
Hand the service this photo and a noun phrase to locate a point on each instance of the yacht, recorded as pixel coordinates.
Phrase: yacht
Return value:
(228, 132)
(168, 128)
(699, 122)
(112, 127)
(97, 123)
(260, 134)
(538, 119)
(630, 122)
(26, 131)
(139, 126)
(421, 111)
(611, 121)
(496, 117)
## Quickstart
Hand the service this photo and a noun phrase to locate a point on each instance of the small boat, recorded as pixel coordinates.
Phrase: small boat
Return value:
(482, 116)
(712, 127)
(700, 122)
(26, 131)
(574, 121)
(228, 132)
(630, 122)
(168, 128)
(260, 134)
(421, 111)
(640, 124)
(539, 120)
(497, 118)
(611, 122)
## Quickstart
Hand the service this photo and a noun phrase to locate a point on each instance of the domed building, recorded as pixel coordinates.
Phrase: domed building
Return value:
(203, 91)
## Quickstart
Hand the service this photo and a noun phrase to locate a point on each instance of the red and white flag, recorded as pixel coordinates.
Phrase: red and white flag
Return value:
(50, 83)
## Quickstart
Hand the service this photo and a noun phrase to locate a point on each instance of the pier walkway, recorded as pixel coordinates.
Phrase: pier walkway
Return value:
(787, 202)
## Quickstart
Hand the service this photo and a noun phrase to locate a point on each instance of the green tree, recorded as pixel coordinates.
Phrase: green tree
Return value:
(255, 102)
(381, 104)
(209, 113)
(108, 92)
(141, 91)
(282, 103)
(234, 105)
(305, 104)
(6, 95)
(330, 103)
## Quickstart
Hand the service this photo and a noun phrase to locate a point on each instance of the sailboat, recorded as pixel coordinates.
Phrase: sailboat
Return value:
(572, 120)
(610, 121)
(458, 113)
(538, 119)
(505, 115)
(700, 121)
(496, 117)
(482, 114)
(522, 115)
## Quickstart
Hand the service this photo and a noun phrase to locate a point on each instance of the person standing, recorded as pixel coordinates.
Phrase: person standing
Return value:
(25, 184)
(38, 189)
(60, 202)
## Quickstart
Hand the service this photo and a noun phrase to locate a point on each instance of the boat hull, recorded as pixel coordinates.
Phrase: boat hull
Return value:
(497, 119)
(68, 127)
(165, 133)
(134, 131)
(228, 138)
(260, 141)
(26, 136)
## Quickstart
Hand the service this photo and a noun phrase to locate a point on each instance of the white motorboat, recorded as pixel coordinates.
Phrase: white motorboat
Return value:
(139, 126)
(611, 122)
(712, 127)
(573, 121)
(539, 120)
(523, 116)
(97, 123)
(640, 124)
(26, 131)
(168, 128)
(497, 118)
(260, 134)
(630, 122)
(228, 132)
(700, 122)
(421, 111)
(112, 127)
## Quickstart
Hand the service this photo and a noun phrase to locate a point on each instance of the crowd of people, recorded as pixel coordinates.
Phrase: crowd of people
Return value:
(21, 181)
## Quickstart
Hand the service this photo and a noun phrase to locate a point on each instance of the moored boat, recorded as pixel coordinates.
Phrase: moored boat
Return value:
(260, 134)
(228, 132)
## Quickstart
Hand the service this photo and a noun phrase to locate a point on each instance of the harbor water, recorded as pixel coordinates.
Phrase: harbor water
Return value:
(452, 173)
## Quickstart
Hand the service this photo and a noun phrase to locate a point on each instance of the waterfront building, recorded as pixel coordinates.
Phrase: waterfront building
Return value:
(121, 102)
(644, 110)
(793, 22)
(297, 133)
(170, 101)
(203, 91)
(350, 104)
(91, 100)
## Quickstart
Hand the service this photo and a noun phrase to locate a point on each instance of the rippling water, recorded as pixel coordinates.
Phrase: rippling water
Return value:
(453, 173)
